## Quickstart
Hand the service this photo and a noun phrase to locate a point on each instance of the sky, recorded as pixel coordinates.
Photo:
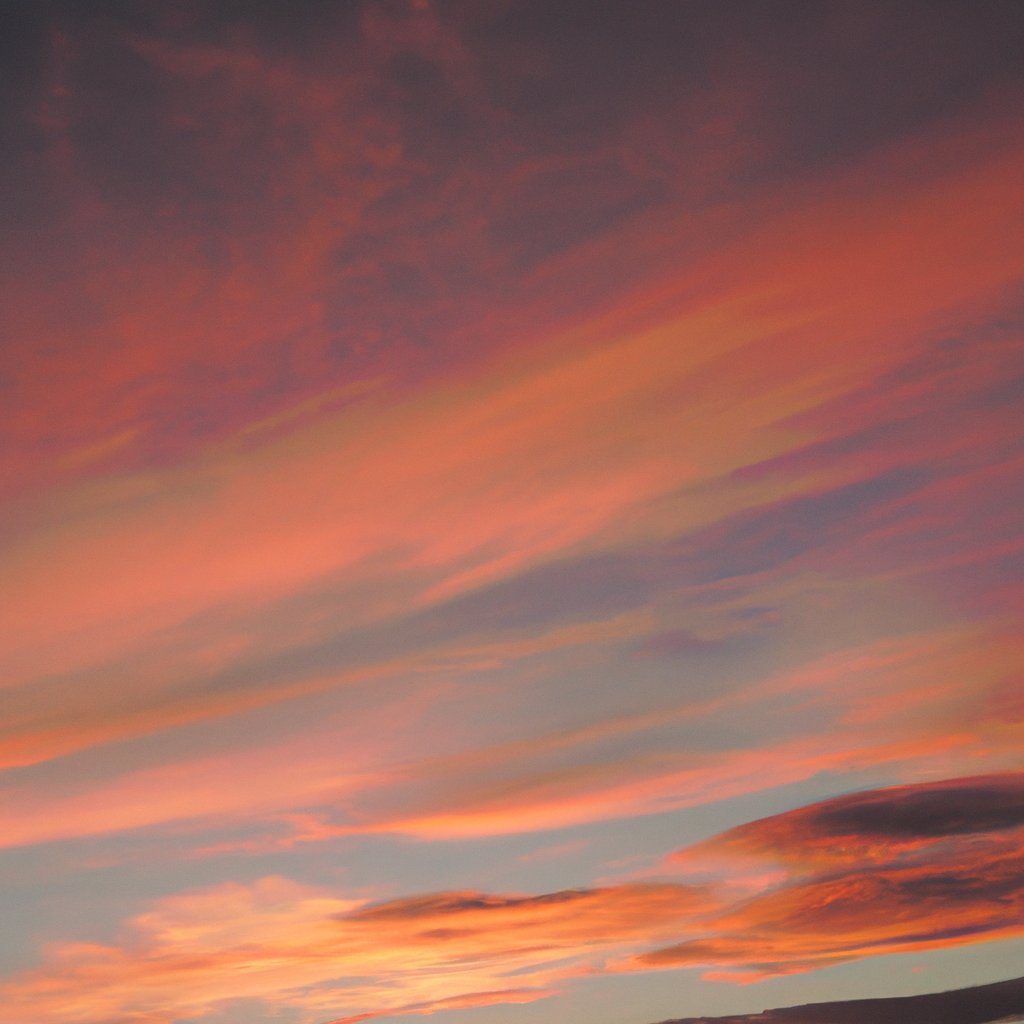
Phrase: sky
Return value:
(509, 511)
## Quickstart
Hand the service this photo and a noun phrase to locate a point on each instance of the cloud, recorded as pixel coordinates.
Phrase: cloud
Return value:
(893, 820)
(288, 944)
(377, 382)
(389, 767)
(894, 870)
(148, 600)
(894, 704)
(906, 868)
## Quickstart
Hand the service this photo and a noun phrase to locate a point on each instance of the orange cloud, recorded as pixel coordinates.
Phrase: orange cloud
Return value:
(924, 704)
(132, 594)
(288, 944)
(290, 377)
(877, 824)
(738, 351)
(895, 703)
(895, 870)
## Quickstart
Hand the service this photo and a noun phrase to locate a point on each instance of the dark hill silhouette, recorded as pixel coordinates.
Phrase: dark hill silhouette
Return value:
(983, 1004)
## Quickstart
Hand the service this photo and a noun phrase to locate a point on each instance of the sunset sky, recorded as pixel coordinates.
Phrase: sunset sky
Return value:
(509, 509)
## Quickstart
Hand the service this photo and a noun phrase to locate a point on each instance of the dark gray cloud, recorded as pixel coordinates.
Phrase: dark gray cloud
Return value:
(523, 131)
(804, 84)
(991, 805)
(443, 904)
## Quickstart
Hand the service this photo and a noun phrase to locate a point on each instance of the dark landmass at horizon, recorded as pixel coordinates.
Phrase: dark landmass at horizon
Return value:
(981, 1004)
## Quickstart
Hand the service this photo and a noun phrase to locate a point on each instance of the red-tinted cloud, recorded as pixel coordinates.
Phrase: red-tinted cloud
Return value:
(895, 870)
(292, 945)
(379, 379)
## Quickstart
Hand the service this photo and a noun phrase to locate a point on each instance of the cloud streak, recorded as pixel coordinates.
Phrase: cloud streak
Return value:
(942, 859)
(427, 426)
(279, 941)
(152, 576)
(892, 870)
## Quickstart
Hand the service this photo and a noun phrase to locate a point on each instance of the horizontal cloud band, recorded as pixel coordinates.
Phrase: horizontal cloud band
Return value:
(905, 868)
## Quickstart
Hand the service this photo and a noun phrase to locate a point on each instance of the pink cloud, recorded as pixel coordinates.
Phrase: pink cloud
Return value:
(892, 870)
(889, 871)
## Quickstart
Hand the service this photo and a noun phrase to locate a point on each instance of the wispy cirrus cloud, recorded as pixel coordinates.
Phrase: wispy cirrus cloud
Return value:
(924, 703)
(360, 517)
(450, 423)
